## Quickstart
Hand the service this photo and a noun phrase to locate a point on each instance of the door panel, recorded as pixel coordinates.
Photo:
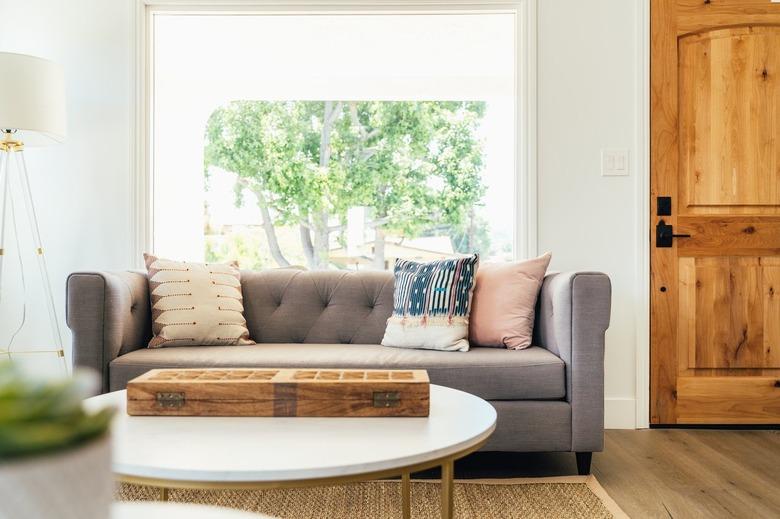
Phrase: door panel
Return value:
(715, 150)
(699, 15)
(732, 312)
(729, 117)
(733, 236)
(728, 400)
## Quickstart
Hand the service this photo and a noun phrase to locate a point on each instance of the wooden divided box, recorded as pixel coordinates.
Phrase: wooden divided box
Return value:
(279, 392)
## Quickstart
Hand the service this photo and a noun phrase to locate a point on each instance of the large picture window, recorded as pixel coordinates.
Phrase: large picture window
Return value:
(333, 140)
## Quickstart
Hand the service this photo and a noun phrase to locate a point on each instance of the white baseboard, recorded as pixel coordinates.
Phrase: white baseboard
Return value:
(619, 413)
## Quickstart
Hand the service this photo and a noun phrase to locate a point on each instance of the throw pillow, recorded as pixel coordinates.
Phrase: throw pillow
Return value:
(195, 304)
(505, 301)
(431, 304)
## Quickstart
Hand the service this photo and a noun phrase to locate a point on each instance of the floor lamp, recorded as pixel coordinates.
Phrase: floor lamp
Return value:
(32, 113)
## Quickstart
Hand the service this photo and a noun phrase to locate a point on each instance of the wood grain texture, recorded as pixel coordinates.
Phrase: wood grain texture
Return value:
(701, 15)
(662, 473)
(280, 392)
(686, 318)
(663, 182)
(730, 118)
(691, 473)
(715, 149)
(729, 236)
(729, 315)
(729, 400)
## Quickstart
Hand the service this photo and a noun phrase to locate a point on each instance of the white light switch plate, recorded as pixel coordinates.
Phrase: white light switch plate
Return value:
(614, 162)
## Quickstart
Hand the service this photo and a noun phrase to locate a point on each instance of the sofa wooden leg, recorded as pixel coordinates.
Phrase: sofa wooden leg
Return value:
(583, 463)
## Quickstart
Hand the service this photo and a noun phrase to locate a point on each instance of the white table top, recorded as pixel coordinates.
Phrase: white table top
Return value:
(241, 449)
(150, 510)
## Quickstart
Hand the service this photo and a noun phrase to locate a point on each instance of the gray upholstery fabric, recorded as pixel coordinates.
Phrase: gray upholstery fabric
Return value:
(491, 373)
(337, 307)
(531, 426)
(109, 315)
(573, 314)
(340, 318)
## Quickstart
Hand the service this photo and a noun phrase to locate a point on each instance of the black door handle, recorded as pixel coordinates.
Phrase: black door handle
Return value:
(664, 235)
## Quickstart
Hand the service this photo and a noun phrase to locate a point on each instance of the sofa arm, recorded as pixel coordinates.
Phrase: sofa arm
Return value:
(573, 314)
(108, 313)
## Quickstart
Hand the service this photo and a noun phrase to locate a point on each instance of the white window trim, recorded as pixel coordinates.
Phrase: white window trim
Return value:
(525, 209)
(642, 190)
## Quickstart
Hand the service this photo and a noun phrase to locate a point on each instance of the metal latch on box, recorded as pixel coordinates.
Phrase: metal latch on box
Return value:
(170, 400)
(384, 399)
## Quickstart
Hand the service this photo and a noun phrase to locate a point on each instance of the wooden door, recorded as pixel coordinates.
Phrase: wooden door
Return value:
(715, 151)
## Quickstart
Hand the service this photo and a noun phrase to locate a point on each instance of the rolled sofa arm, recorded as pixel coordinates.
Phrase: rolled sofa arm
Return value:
(108, 313)
(573, 314)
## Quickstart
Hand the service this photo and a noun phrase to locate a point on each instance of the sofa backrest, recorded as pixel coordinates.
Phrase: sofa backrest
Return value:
(289, 305)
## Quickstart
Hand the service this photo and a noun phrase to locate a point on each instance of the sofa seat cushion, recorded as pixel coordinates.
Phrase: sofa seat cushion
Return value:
(491, 373)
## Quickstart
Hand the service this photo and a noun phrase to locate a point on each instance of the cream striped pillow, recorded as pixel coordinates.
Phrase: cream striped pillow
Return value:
(195, 304)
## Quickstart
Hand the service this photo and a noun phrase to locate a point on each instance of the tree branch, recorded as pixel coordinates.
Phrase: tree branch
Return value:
(267, 224)
(378, 222)
(364, 134)
(368, 153)
(334, 112)
(356, 121)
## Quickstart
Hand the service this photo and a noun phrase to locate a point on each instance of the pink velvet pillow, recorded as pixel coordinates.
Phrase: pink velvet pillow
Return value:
(504, 302)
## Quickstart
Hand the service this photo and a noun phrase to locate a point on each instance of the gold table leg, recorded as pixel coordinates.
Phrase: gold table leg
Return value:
(406, 495)
(447, 475)
(163, 494)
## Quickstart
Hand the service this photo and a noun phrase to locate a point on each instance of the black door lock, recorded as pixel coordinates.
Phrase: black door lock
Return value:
(663, 206)
(664, 235)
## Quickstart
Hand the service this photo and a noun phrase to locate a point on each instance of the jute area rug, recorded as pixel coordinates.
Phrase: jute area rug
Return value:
(560, 497)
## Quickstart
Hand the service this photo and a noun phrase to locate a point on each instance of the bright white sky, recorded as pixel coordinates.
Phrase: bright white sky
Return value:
(201, 62)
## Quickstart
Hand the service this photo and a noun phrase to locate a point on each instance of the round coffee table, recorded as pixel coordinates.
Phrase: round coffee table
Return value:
(250, 453)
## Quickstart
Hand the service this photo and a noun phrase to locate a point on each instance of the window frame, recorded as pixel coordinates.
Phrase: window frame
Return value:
(525, 12)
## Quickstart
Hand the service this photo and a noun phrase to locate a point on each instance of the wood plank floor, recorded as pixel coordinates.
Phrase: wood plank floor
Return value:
(677, 473)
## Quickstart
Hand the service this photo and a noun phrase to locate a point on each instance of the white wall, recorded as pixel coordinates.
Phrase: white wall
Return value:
(587, 101)
(81, 188)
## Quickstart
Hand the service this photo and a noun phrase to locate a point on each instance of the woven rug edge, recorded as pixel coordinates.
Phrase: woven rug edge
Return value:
(590, 481)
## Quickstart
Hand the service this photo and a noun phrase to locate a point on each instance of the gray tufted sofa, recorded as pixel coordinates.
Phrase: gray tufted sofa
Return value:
(549, 397)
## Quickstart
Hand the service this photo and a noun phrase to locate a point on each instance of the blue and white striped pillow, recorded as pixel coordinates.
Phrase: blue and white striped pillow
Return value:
(431, 304)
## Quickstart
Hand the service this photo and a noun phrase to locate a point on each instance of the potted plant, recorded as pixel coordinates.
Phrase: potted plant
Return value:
(55, 458)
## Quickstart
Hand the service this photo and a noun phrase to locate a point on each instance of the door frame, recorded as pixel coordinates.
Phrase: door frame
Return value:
(659, 44)
(644, 229)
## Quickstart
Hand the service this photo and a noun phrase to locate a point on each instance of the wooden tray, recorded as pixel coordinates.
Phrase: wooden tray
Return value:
(279, 392)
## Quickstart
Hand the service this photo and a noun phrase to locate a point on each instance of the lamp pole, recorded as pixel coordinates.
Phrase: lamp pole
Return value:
(32, 113)
(9, 147)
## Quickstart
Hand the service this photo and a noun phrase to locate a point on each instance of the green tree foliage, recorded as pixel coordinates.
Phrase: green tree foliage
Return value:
(232, 245)
(413, 163)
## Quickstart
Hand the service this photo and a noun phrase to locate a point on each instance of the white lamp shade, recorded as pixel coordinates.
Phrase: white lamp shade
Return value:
(32, 99)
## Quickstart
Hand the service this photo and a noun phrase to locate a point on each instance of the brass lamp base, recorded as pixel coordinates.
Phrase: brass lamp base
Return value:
(14, 149)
